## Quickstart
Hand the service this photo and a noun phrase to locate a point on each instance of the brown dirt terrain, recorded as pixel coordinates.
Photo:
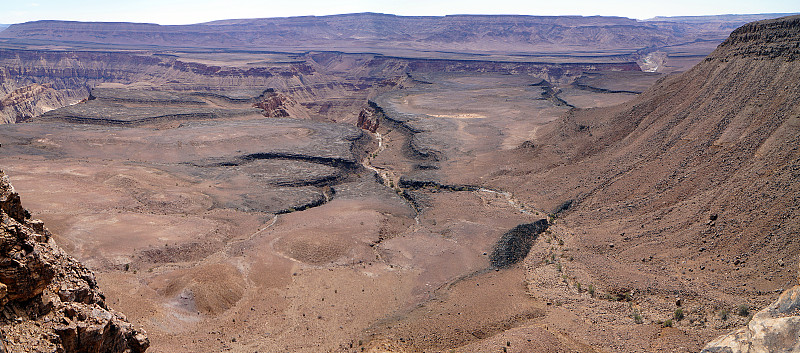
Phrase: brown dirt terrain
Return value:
(686, 191)
(222, 216)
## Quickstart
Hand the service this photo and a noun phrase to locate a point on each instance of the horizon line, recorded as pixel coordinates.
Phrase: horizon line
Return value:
(415, 16)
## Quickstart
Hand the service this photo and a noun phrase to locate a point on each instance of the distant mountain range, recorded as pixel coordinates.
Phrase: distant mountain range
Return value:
(381, 32)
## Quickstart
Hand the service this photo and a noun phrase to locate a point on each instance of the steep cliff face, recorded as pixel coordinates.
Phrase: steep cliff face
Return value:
(767, 40)
(50, 302)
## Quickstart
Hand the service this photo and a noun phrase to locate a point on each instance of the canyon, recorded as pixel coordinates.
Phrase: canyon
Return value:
(380, 183)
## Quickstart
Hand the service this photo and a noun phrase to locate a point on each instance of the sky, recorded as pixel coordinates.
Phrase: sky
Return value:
(170, 12)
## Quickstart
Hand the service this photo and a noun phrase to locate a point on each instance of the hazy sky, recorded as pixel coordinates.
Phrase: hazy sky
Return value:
(195, 11)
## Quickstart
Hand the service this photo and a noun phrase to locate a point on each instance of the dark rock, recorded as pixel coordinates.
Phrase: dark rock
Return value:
(515, 244)
(563, 207)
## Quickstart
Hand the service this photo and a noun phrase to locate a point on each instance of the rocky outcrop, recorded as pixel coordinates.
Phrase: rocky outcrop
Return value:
(776, 328)
(51, 302)
(27, 101)
(370, 117)
(279, 105)
(515, 244)
(771, 39)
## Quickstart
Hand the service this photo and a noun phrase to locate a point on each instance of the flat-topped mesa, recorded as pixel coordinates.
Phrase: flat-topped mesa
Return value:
(769, 39)
(51, 302)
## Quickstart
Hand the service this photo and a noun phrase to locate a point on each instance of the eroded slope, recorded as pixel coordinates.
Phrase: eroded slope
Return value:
(685, 192)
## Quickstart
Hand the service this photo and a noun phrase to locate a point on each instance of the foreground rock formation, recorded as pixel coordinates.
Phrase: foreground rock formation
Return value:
(775, 328)
(50, 302)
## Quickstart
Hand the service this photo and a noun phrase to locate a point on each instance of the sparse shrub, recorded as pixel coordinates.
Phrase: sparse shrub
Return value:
(578, 286)
(667, 323)
(743, 310)
(628, 296)
(619, 297)
(637, 317)
(723, 314)
(678, 314)
(558, 267)
(591, 290)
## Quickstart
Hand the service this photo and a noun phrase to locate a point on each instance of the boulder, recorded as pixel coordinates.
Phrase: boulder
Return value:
(776, 328)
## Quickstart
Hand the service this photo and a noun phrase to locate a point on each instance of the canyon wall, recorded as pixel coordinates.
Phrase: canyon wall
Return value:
(324, 85)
